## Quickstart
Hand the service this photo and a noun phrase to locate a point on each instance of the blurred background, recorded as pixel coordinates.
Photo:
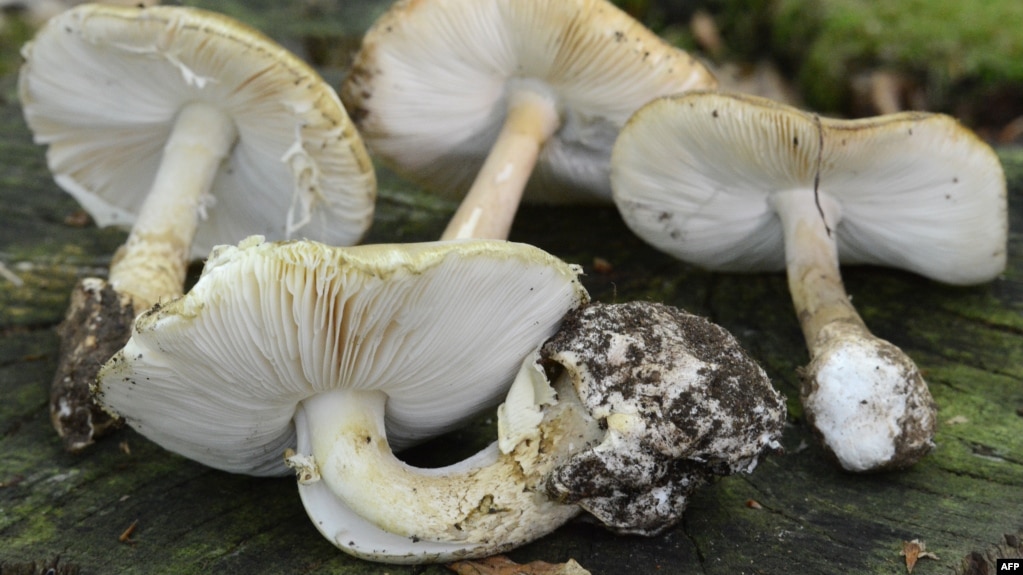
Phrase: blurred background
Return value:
(844, 58)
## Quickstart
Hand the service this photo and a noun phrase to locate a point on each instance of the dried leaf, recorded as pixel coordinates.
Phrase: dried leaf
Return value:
(602, 266)
(913, 551)
(125, 536)
(501, 565)
(957, 420)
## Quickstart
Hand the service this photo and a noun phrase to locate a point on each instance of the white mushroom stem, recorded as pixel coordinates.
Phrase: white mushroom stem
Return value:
(152, 263)
(811, 258)
(489, 207)
(483, 504)
(864, 396)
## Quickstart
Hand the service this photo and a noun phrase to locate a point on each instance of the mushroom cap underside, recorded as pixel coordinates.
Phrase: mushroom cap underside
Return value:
(102, 85)
(693, 175)
(441, 327)
(430, 85)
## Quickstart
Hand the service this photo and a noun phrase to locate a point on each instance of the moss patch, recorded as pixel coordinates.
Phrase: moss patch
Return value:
(948, 45)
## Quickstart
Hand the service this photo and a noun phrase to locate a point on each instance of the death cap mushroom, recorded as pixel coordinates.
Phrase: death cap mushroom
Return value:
(345, 353)
(466, 97)
(102, 87)
(740, 183)
(217, 374)
(280, 345)
(624, 412)
(191, 129)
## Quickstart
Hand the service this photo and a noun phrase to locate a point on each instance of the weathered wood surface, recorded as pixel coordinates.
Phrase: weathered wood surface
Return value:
(814, 519)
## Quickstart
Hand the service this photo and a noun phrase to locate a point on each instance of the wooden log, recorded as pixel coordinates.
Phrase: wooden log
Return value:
(796, 514)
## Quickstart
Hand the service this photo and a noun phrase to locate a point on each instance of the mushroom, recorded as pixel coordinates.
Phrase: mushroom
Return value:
(623, 413)
(517, 98)
(436, 331)
(194, 130)
(739, 183)
(346, 354)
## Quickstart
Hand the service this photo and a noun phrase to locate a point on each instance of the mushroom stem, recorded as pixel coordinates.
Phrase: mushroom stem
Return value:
(151, 264)
(864, 396)
(811, 258)
(489, 207)
(486, 503)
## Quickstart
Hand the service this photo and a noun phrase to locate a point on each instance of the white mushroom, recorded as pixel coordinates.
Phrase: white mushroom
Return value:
(333, 357)
(623, 413)
(218, 373)
(194, 130)
(740, 183)
(412, 338)
(458, 92)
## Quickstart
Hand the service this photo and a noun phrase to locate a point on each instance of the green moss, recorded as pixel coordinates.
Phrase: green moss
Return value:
(14, 32)
(38, 527)
(47, 285)
(1012, 162)
(945, 44)
(980, 434)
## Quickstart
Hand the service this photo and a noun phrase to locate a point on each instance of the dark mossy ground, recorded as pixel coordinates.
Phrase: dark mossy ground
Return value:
(812, 519)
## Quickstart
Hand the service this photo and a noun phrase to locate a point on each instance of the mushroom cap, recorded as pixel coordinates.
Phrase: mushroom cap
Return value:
(694, 174)
(102, 85)
(429, 87)
(682, 403)
(441, 327)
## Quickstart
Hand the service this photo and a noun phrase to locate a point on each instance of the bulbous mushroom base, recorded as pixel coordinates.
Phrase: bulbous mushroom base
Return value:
(682, 404)
(97, 324)
(868, 403)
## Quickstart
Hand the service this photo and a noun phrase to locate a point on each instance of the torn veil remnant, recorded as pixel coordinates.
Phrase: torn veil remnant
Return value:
(193, 130)
(496, 100)
(740, 183)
